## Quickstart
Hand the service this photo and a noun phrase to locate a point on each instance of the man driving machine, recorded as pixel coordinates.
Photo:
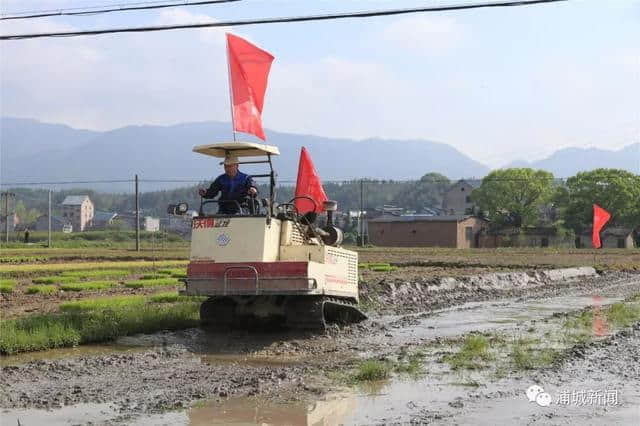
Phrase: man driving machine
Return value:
(233, 185)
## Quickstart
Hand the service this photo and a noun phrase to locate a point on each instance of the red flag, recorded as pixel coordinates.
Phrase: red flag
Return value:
(308, 184)
(249, 69)
(600, 217)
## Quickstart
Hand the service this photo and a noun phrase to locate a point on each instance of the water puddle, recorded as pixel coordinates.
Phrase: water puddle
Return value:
(482, 316)
(68, 415)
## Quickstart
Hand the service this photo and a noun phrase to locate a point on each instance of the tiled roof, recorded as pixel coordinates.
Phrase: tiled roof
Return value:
(74, 200)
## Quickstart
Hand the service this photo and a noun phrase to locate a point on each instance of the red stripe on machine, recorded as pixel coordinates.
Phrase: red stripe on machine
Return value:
(207, 269)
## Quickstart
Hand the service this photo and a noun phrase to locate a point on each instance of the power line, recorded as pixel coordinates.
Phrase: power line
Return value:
(96, 10)
(333, 16)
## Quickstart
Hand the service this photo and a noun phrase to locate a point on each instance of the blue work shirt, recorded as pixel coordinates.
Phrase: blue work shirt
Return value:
(232, 188)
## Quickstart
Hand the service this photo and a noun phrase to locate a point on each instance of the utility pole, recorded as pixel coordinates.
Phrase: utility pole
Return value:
(49, 216)
(360, 213)
(137, 217)
(6, 196)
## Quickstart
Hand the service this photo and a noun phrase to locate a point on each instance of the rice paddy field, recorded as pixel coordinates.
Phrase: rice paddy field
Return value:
(54, 292)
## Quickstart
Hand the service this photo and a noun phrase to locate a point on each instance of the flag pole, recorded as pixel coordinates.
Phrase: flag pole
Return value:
(233, 123)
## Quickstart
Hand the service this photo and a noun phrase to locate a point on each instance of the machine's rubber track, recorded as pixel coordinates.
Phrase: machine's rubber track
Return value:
(301, 312)
(317, 311)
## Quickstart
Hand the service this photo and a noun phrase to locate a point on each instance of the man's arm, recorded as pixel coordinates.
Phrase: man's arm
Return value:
(213, 190)
(252, 188)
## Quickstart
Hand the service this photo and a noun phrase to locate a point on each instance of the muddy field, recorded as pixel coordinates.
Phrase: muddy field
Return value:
(421, 317)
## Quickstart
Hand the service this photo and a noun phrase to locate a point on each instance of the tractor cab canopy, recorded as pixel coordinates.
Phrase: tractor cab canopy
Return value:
(243, 150)
(237, 149)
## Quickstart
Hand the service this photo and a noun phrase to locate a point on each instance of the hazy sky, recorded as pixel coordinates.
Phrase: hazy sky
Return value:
(497, 84)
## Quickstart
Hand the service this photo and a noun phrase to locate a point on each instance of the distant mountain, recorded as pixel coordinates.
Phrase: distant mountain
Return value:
(56, 152)
(21, 138)
(569, 161)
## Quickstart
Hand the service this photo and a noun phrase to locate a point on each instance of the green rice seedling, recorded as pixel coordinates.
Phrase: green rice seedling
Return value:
(363, 265)
(383, 268)
(22, 259)
(173, 296)
(116, 302)
(54, 280)
(83, 266)
(88, 285)
(475, 348)
(174, 272)
(7, 286)
(378, 265)
(151, 282)
(99, 273)
(42, 289)
(371, 370)
(78, 327)
(153, 276)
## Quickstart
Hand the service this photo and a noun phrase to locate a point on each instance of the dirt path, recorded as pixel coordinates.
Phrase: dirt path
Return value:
(144, 376)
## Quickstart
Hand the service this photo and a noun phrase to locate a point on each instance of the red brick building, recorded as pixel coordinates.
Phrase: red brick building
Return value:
(458, 231)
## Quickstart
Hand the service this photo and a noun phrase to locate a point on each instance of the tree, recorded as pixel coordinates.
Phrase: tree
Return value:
(514, 197)
(426, 192)
(27, 216)
(616, 191)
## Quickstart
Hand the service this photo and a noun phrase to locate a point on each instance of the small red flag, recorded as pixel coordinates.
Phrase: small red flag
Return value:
(249, 68)
(600, 217)
(308, 184)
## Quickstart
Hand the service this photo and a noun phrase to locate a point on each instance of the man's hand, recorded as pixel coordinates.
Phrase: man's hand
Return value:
(202, 192)
(252, 191)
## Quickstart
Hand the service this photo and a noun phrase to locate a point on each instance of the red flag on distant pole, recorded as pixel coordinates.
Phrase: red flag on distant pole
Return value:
(308, 184)
(600, 217)
(248, 71)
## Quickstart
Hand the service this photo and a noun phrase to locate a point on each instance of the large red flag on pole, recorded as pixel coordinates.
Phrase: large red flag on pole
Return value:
(308, 185)
(248, 72)
(600, 218)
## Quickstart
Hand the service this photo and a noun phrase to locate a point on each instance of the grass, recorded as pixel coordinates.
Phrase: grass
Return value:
(99, 273)
(371, 370)
(116, 302)
(151, 282)
(88, 285)
(54, 280)
(7, 286)
(174, 272)
(78, 327)
(475, 348)
(42, 289)
(172, 296)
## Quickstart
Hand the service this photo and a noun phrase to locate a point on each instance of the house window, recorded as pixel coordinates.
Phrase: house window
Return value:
(462, 189)
(621, 243)
(468, 233)
(544, 242)
(467, 199)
